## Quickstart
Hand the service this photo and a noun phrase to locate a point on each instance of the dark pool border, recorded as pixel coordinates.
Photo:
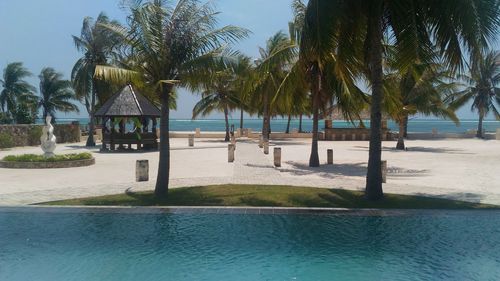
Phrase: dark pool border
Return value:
(239, 210)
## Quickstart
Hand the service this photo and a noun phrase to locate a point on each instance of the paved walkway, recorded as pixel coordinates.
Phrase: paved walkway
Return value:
(457, 169)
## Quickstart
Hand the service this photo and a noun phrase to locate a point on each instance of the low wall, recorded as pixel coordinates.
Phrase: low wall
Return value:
(353, 134)
(432, 136)
(29, 135)
(47, 165)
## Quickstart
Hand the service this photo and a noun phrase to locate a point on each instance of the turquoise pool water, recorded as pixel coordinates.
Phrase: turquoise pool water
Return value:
(75, 245)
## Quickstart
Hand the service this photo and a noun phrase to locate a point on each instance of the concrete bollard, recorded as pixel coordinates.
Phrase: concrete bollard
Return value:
(277, 156)
(98, 133)
(249, 132)
(230, 153)
(261, 141)
(498, 134)
(329, 156)
(191, 140)
(233, 141)
(197, 132)
(343, 137)
(142, 170)
(384, 171)
(238, 132)
(266, 147)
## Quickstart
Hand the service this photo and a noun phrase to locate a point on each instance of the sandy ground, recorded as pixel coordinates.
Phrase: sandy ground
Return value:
(466, 169)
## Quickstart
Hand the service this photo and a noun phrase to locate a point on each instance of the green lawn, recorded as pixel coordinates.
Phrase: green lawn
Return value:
(261, 195)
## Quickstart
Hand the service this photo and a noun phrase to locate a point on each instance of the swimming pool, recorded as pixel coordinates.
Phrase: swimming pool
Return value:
(227, 244)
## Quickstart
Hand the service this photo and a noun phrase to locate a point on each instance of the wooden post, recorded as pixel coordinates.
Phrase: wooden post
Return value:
(329, 156)
(197, 132)
(277, 156)
(191, 140)
(266, 147)
(230, 153)
(142, 170)
(384, 171)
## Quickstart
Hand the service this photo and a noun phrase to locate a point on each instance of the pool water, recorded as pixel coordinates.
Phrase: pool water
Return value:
(87, 245)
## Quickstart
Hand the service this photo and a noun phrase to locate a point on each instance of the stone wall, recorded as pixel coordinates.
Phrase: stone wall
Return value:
(29, 135)
(353, 134)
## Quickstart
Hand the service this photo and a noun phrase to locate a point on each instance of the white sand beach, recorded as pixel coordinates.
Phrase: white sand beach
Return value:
(464, 169)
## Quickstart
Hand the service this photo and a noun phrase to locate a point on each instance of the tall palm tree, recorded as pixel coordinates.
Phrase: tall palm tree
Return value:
(98, 46)
(270, 70)
(219, 89)
(420, 88)
(321, 68)
(56, 94)
(416, 27)
(483, 89)
(16, 91)
(169, 44)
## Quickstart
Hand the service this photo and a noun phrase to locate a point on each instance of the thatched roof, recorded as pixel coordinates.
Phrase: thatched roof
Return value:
(128, 103)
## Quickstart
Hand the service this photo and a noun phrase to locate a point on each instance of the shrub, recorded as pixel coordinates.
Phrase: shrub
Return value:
(6, 140)
(41, 158)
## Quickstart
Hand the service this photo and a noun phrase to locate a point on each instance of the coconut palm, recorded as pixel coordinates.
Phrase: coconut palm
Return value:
(16, 92)
(415, 26)
(169, 44)
(483, 89)
(220, 88)
(321, 70)
(98, 46)
(270, 70)
(56, 94)
(420, 88)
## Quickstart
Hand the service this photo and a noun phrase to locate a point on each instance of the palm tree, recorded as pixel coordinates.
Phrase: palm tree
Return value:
(17, 93)
(220, 89)
(483, 90)
(270, 70)
(322, 70)
(420, 88)
(98, 46)
(169, 44)
(56, 94)
(416, 27)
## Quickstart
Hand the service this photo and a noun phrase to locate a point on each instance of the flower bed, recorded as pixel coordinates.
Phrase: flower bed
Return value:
(34, 161)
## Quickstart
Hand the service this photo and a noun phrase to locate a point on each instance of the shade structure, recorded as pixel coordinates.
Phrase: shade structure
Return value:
(128, 103)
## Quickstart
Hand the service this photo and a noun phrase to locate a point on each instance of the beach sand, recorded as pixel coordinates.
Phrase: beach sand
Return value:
(464, 169)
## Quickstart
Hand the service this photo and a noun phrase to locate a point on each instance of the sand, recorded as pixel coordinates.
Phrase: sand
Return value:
(465, 169)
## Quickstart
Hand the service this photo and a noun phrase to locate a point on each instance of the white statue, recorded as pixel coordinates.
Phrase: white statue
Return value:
(48, 139)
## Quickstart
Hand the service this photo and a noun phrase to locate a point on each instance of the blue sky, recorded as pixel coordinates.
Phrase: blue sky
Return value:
(38, 33)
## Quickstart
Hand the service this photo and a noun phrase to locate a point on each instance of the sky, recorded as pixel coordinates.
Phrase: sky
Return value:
(38, 33)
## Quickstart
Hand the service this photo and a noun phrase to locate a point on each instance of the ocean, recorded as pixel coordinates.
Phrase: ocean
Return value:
(279, 125)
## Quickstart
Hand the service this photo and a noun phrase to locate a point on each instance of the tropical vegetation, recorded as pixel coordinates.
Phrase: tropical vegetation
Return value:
(483, 88)
(56, 94)
(167, 44)
(41, 158)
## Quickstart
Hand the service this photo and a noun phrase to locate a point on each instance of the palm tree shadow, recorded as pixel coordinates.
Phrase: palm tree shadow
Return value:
(327, 171)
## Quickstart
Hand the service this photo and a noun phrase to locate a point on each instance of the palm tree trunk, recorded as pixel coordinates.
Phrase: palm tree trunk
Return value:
(288, 124)
(241, 119)
(405, 125)
(314, 157)
(300, 123)
(401, 140)
(479, 133)
(90, 139)
(373, 189)
(226, 113)
(265, 122)
(161, 188)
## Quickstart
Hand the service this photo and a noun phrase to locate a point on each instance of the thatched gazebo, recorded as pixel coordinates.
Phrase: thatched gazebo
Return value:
(128, 105)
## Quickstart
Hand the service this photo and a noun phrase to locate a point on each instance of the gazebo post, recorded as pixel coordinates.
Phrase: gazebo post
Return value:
(104, 145)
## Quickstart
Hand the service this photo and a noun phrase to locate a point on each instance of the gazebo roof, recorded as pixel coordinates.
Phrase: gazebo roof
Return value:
(128, 103)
